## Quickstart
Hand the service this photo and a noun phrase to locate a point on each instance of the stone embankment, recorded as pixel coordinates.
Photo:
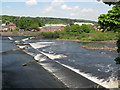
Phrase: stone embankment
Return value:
(19, 34)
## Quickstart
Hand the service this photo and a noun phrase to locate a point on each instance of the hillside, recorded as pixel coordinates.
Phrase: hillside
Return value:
(43, 20)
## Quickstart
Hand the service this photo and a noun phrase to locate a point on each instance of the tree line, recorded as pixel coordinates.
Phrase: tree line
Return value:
(28, 23)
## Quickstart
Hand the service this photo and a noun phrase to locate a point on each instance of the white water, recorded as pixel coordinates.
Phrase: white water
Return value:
(24, 46)
(53, 56)
(10, 38)
(25, 39)
(32, 37)
(41, 44)
(44, 44)
(113, 82)
(17, 41)
(110, 83)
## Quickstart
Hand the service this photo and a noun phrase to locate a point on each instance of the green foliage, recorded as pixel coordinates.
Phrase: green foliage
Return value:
(87, 28)
(118, 43)
(38, 21)
(49, 35)
(75, 30)
(111, 21)
(23, 23)
(117, 60)
(102, 36)
(98, 36)
(112, 2)
(86, 32)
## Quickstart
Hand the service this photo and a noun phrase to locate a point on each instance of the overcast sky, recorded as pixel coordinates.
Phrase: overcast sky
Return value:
(77, 9)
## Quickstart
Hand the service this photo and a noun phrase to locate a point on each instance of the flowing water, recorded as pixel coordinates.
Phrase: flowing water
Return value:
(96, 65)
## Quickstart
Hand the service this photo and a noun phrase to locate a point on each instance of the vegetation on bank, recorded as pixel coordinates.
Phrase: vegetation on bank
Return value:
(84, 32)
(99, 48)
(76, 32)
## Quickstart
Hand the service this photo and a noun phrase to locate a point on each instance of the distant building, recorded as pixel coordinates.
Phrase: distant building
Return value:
(96, 27)
(3, 25)
(62, 25)
(81, 23)
(8, 27)
(53, 27)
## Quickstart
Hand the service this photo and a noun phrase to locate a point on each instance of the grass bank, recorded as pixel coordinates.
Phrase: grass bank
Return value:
(92, 36)
(99, 48)
(63, 35)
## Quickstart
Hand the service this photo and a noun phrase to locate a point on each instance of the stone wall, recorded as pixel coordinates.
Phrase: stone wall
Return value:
(19, 34)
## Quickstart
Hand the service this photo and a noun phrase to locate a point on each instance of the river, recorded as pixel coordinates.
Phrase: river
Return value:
(95, 65)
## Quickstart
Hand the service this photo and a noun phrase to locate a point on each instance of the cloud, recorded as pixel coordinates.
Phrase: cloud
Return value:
(8, 7)
(31, 2)
(54, 4)
(49, 9)
(65, 7)
(87, 10)
(73, 14)
(57, 2)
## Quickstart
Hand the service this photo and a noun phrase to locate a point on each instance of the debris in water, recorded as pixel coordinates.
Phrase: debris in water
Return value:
(24, 64)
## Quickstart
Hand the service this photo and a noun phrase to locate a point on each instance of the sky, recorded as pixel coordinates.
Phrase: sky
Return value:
(74, 9)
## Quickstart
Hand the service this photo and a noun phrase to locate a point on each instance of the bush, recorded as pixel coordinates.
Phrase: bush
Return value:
(50, 34)
(117, 60)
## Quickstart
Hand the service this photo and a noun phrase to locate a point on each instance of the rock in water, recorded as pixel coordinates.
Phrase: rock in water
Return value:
(38, 57)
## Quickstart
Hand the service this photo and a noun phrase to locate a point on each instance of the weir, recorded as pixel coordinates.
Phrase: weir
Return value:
(70, 78)
(12, 50)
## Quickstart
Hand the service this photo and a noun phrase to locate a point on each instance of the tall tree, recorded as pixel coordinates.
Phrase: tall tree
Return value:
(24, 23)
(111, 20)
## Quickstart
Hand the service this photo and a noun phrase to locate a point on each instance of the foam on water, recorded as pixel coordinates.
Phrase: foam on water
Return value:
(10, 38)
(25, 39)
(53, 56)
(41, 44)
(44, 44)
(22, 47)
(17, 41)
(38, 57)
(30, 53)
(32, 37)
(110, 83)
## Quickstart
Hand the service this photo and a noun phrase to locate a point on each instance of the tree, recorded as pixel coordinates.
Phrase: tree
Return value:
(110, 2)
(86, 28)
(24, 23)
(111, 21)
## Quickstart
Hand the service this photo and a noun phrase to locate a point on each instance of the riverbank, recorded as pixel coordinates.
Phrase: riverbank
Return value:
(38, 34)
(108, 41)
(20, 34)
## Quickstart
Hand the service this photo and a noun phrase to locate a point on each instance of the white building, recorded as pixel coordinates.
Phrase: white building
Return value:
(3, 24)
(81, 23)
(62, 25)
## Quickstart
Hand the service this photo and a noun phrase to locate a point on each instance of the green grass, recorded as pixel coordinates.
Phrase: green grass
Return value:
(98, 36)
(92, 36)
